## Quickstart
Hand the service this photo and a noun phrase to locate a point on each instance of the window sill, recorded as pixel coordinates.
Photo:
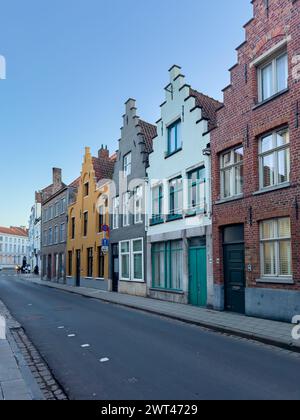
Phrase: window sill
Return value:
(133, 281)
(195, 213)
(276, 280)
(173, 218)
(156, 222)
(175, 292)
(272, 98)
(168, 155)
(228, 200)
(274, 188)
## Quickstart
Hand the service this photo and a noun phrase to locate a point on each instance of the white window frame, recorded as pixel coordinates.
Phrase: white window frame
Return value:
(232, 166)
(127, 164)
(126, 212)
(138, 205)
(260, 69)
(274, 151)
(116, 212)
(133, 253)
(120, 260)
(276, 240)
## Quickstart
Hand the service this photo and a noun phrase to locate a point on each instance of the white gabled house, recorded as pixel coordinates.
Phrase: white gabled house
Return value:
(179, 236)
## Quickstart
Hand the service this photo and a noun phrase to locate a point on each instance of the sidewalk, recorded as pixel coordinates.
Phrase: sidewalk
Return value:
(16, 381)
(269, 332)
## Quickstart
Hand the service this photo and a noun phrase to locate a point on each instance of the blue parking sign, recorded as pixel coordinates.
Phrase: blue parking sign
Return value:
(105, 243)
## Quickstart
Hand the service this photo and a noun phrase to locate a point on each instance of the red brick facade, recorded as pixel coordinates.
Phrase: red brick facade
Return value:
(242, 121)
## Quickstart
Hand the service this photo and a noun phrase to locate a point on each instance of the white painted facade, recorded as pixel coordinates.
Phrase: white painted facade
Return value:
(13, 249)
(34, 235)
(193, 154)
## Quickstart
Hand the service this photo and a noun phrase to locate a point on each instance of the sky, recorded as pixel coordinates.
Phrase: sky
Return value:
(71, 65)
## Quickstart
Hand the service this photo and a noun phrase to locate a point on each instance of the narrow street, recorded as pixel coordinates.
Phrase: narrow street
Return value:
(102, 351)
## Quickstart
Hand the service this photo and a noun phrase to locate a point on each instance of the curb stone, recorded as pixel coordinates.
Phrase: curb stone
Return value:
(231, 331)
(27, 359)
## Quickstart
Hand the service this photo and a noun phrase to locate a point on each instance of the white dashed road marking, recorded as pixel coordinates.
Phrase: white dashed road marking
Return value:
(104, 360)
(60, 328)
(84, 346)
(71, 335)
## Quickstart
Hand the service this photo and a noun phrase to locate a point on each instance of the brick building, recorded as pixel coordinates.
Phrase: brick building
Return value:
(256, 170)
(55, 200)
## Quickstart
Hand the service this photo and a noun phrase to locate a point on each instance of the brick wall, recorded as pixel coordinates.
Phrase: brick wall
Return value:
(240, 121)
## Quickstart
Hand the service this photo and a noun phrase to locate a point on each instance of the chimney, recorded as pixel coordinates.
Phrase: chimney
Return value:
(38, 197)
(103, 153)
(57, 177)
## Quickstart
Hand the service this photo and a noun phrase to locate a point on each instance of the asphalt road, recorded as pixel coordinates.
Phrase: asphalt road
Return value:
(150, 357)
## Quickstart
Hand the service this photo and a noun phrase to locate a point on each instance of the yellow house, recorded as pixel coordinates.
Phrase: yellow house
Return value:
(88, 220)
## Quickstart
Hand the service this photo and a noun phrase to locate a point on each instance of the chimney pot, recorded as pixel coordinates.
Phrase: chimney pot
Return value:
(103, 152)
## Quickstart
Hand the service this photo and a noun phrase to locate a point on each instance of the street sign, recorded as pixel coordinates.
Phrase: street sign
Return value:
(105, 243)
(104, 249)
(105, 228)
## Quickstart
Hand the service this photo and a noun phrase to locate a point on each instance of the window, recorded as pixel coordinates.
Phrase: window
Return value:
(127, 165)
(62, 232)
(50, 213)
(276, 253)
(232, 173)
(273, 77)
(70, 262)
(90, 262)
(100, 218)
(174, 138)
(101, 260)
(125, 260)
(85, 223)
(196, 180)
(126, 200)
(116, 211)
(63, 205)
(167, 265)
(50, 237)
(132, 260)
(157, 204)
(274, 159)
(56, 234)
(86, 189)
(176, 198)
(56, 209)
(73, 228)
(137, 260)
(45, 239)
(138, 197)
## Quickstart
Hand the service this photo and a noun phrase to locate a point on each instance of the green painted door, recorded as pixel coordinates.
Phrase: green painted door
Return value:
(234, 276)
(197, 276)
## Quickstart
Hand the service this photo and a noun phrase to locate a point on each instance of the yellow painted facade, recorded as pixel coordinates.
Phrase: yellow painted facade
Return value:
(86, 262)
